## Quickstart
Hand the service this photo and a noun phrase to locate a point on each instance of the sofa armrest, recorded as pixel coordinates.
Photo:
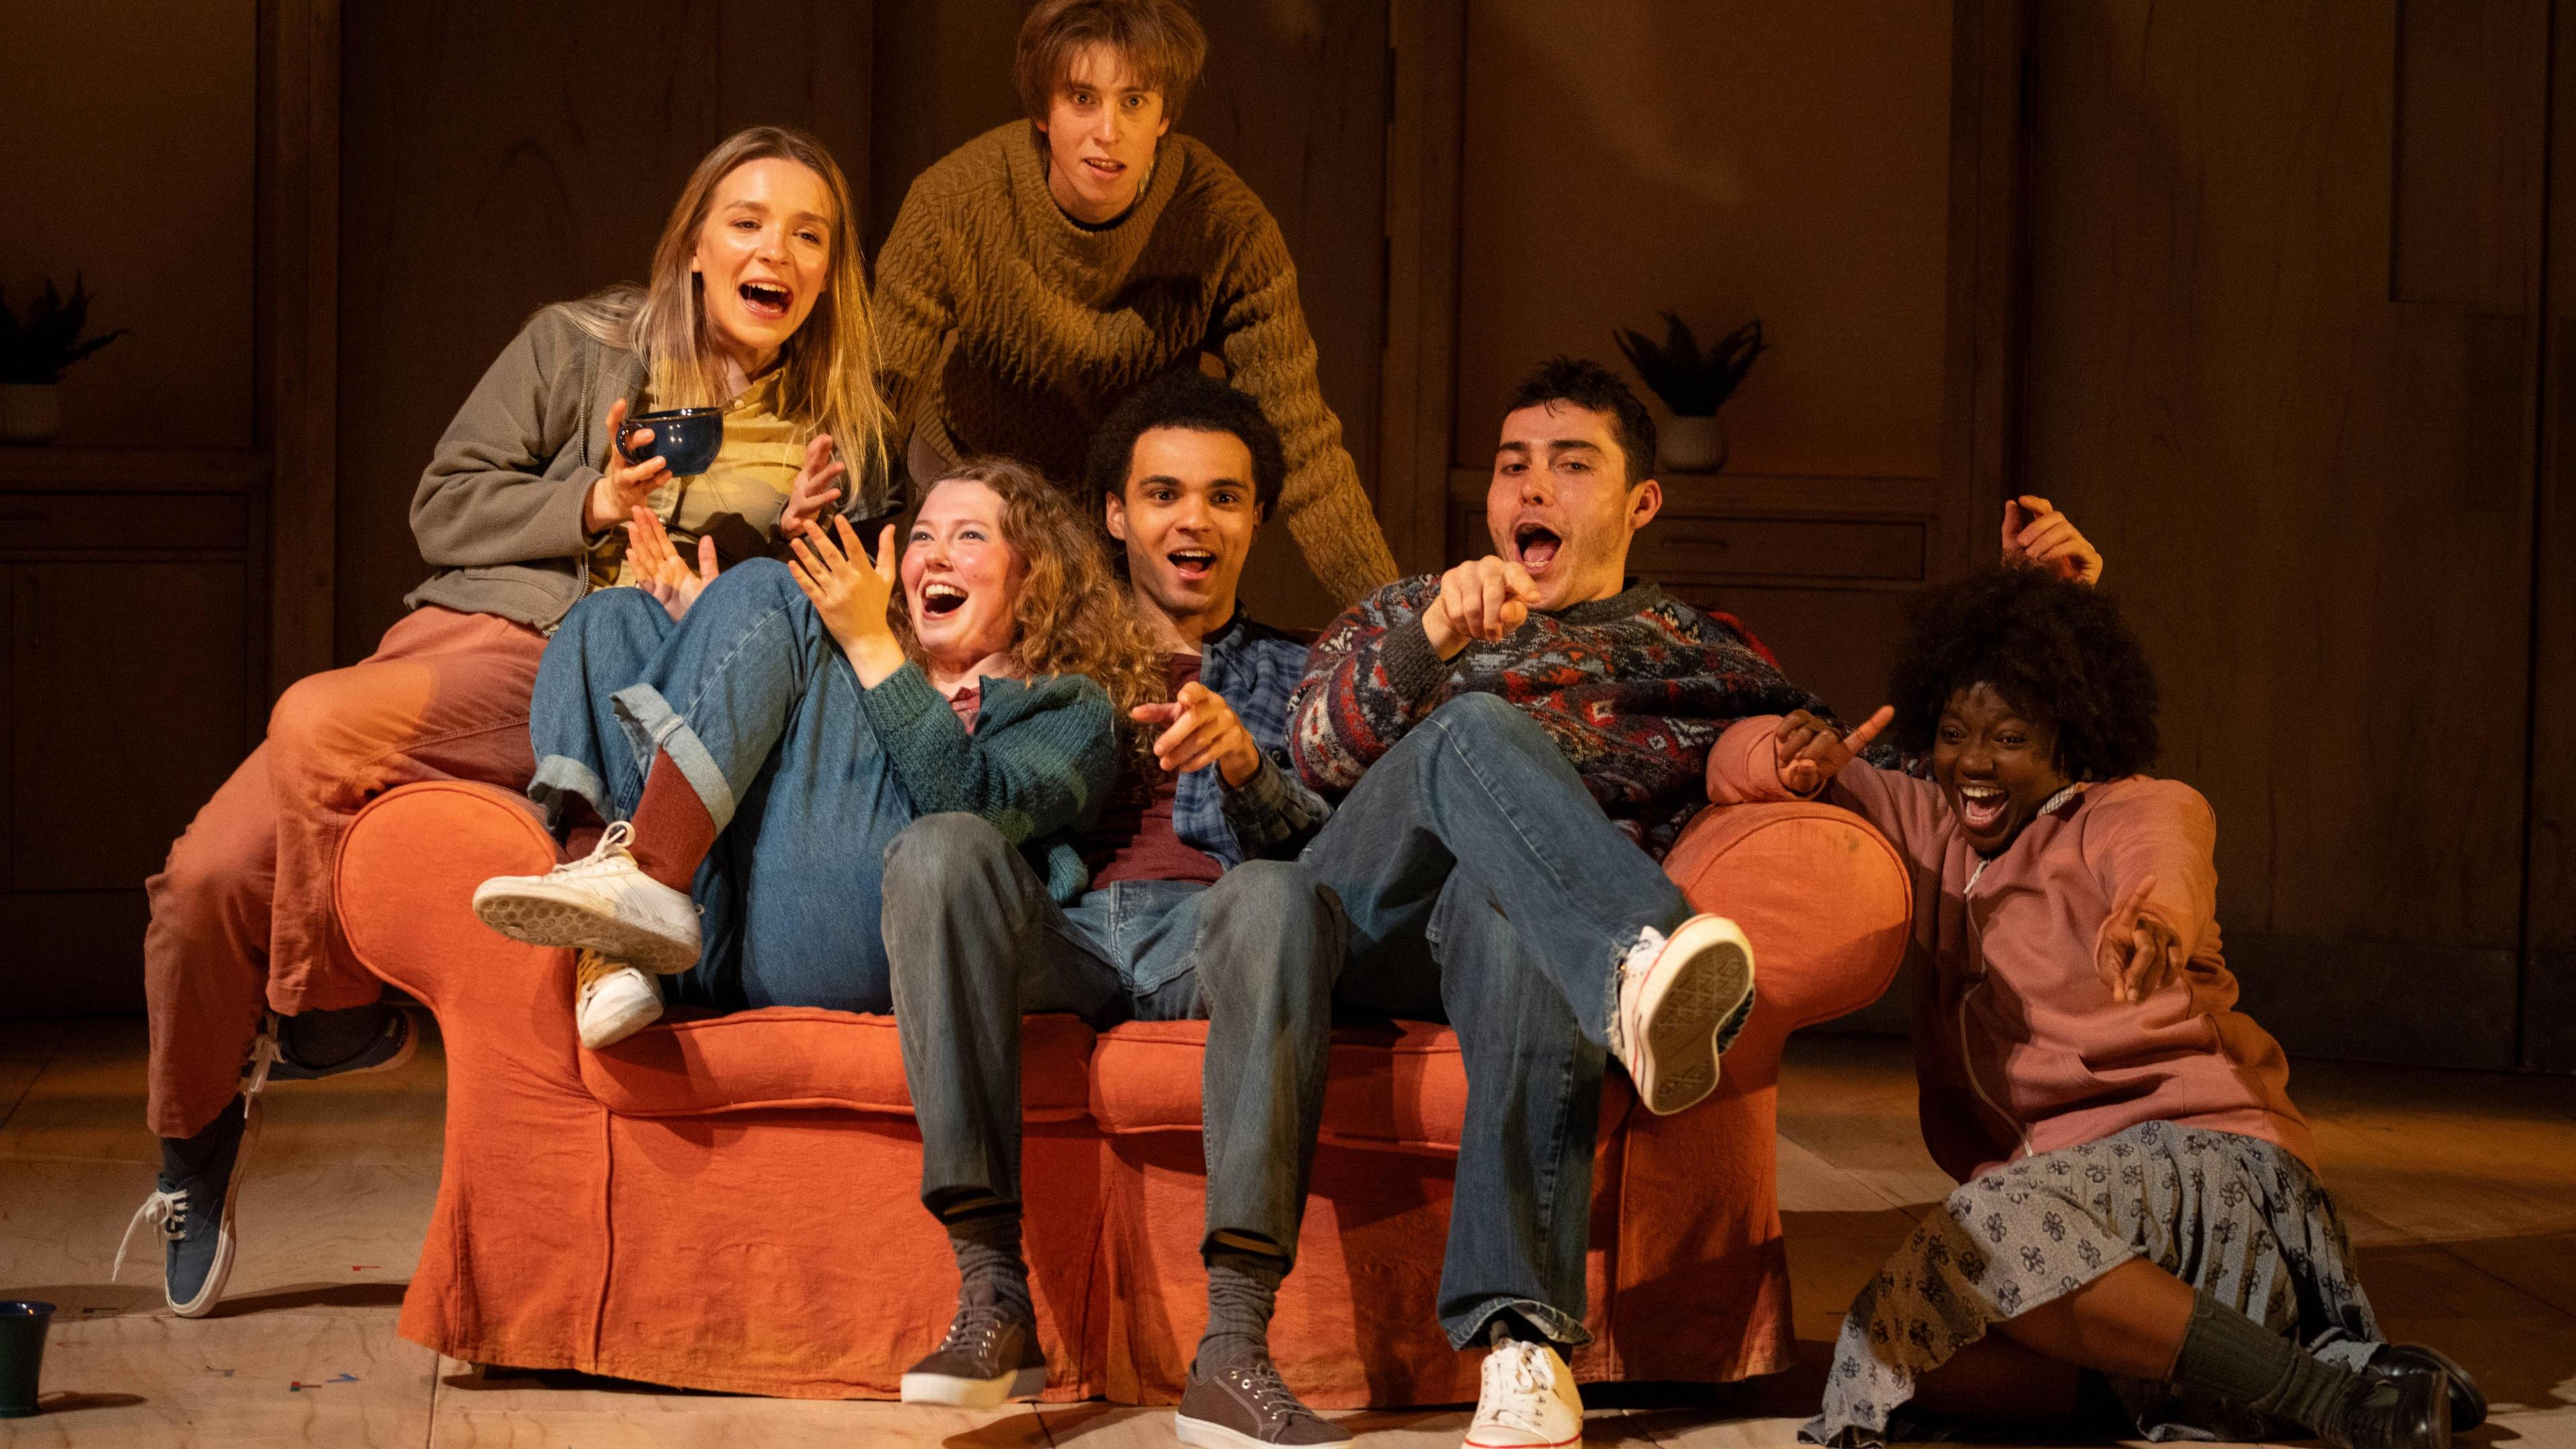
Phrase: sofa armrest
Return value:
(405, 887)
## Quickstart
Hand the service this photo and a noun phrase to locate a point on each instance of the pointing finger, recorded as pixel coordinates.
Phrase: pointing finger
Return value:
(1879, 719)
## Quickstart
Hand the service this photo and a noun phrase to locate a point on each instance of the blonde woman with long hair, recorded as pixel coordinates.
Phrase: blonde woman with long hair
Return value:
(754, 758)
(756, 305)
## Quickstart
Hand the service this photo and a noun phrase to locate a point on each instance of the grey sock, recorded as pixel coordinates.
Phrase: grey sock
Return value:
(989, 1266)
(323, 1039)
(2229, 1355)
(1242, 1289)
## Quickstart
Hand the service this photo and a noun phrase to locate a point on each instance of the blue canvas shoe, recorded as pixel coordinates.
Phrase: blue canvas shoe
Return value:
(193, 1208)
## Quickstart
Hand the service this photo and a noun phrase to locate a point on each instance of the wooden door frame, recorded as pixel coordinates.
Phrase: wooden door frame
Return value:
(296, 317)
(1988, 270)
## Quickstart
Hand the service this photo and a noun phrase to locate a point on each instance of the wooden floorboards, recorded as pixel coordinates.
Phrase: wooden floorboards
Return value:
(2460, 1189)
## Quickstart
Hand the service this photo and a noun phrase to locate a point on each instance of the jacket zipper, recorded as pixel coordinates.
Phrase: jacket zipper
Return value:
(1967, 1060)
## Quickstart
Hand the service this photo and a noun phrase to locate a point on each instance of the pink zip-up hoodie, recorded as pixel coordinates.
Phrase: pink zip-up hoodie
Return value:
(2019, 1047)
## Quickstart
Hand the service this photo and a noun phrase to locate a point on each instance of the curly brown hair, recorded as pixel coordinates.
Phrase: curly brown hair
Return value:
(1072, 615)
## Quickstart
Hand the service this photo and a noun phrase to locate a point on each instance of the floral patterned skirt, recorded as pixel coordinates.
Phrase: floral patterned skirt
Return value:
(2233, 1216)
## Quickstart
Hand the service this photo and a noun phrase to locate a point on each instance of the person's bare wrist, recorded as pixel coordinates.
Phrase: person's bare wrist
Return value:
(1240, 764)
(1435, 627)
(873, 657)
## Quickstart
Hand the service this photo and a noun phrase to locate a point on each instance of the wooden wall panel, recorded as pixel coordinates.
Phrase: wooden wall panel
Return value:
(496, 158)
(2314, 493)
(2549, 941)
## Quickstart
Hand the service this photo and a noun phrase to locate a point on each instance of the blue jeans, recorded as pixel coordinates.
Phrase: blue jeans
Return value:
(754, 702)
(976, 943)
(1483, 883)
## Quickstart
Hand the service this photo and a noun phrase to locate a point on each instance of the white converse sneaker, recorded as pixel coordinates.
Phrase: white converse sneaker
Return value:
(1528, 1401)
(614, 1000)
(603, 901)
(1676, 995)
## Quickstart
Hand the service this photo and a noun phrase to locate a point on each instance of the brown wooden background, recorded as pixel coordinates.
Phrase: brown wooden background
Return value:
(2272, 297)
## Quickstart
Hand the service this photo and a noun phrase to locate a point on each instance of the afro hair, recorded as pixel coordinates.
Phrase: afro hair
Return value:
(2056, 650)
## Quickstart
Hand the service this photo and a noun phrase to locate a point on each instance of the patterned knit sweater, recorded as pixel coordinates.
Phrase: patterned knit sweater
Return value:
(1634, 689)
(1005, 327)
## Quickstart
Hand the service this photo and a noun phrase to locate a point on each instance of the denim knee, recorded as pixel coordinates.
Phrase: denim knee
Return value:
(1482, 720)
(1274, 916)
(937, 852)
(757, 583)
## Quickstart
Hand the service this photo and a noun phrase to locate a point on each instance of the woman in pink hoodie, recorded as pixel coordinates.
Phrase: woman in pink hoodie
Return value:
(2139, 1216)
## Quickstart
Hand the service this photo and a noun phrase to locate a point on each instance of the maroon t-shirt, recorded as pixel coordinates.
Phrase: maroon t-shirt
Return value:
(1134, 839)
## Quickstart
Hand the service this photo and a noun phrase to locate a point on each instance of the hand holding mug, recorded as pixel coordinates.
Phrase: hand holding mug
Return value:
(622, 487)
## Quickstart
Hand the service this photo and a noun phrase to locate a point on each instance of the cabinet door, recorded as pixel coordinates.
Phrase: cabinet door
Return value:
(125, 712)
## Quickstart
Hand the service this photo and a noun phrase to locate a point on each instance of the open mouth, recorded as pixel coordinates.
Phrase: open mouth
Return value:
(1192, 564)
(1982, 807)
(1105, 168)
(938, 600)
(766, 300)
(1537, 544)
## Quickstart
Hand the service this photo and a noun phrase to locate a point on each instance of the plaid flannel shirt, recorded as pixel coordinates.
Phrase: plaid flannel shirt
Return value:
(1253, 668)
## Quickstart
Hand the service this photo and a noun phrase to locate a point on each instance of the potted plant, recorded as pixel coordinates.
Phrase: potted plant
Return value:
(35, 347)
(1694, 385)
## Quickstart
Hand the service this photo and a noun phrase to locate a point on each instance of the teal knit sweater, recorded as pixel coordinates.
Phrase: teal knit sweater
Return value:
(1043, 756)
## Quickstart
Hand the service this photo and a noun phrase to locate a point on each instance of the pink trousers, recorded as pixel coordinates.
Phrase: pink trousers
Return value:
(242, 918)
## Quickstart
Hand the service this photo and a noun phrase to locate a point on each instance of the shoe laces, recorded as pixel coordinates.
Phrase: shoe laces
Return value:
(1641, 956)
(589, 969)
(614, 852)
(1270, 1397)
(264, 1053)
(976, 1329)
(1518, 1394)
(166, 1210)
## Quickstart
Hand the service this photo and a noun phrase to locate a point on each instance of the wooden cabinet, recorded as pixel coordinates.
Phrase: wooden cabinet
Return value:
(129, 600)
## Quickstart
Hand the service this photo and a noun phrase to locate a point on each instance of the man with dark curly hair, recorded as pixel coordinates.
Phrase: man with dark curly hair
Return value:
(2139, 1201)
(1522, 738)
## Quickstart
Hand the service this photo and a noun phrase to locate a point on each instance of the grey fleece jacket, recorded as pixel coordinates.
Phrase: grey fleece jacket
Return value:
(498, 513)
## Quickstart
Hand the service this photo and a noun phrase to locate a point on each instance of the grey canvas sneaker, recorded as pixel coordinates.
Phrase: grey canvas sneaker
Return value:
(395, 1042)
(990, 1356)
(192, 1205)
(1244, 1406)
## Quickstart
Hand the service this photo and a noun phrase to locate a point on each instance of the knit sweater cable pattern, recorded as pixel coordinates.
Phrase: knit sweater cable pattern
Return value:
(1633, 689)
(1004, 327)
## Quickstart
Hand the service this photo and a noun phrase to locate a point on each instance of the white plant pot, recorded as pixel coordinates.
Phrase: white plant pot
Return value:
(30, 412)
(1691, 445)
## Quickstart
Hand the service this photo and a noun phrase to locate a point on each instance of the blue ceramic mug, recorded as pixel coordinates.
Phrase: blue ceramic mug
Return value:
(686, 439)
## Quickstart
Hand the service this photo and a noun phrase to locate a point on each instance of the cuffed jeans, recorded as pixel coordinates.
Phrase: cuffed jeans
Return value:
(1481, 879)
(754, 702)
(975, 943)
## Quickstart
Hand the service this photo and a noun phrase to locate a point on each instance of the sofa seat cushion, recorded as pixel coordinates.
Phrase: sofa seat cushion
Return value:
(694, 1064)
(1395, 1086)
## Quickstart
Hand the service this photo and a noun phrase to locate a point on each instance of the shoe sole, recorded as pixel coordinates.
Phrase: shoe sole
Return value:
(1472, 1442)
(211, 1292)
(638, 1014)
(950, 1391)
(542, 916)
(1216, 1436)
(1710, 978)
(286, 1071)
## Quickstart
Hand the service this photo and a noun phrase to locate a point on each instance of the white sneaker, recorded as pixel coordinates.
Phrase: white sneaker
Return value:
(1528, 1401)
(614, 1000)
(1675, 995)
(603, 901)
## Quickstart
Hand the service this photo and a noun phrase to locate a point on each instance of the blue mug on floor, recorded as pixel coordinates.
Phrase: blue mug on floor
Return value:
(22, 1354)
(684, 438)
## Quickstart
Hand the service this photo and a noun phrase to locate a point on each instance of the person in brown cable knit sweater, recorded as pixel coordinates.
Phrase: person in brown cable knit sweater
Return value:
(1042, 270)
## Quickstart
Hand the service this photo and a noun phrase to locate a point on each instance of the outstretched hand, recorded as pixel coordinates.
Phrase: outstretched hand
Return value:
(1201, 729)
(2136, 953)
(851, 592)
(2037, 536)
(1483, 598)
(658, 568)
(1810, 752)
(817, 487)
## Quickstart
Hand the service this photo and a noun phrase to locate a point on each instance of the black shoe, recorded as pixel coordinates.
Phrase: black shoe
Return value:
(1245, 1406)
(393, 1043)
(2468, 1402)
(2411, 1411)
(192, 1205)
(989, 1356)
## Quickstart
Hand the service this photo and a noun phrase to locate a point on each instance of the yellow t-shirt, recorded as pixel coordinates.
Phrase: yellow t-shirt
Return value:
(737, 500)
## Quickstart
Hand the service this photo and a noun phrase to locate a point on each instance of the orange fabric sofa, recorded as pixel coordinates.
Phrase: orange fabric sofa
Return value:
(728, 1202)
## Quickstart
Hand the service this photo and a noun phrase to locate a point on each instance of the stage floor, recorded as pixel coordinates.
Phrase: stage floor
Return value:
(2460, 1189)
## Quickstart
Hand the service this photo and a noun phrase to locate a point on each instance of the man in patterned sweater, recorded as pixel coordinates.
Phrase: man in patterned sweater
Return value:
(1196, 909)
(1521, 738)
